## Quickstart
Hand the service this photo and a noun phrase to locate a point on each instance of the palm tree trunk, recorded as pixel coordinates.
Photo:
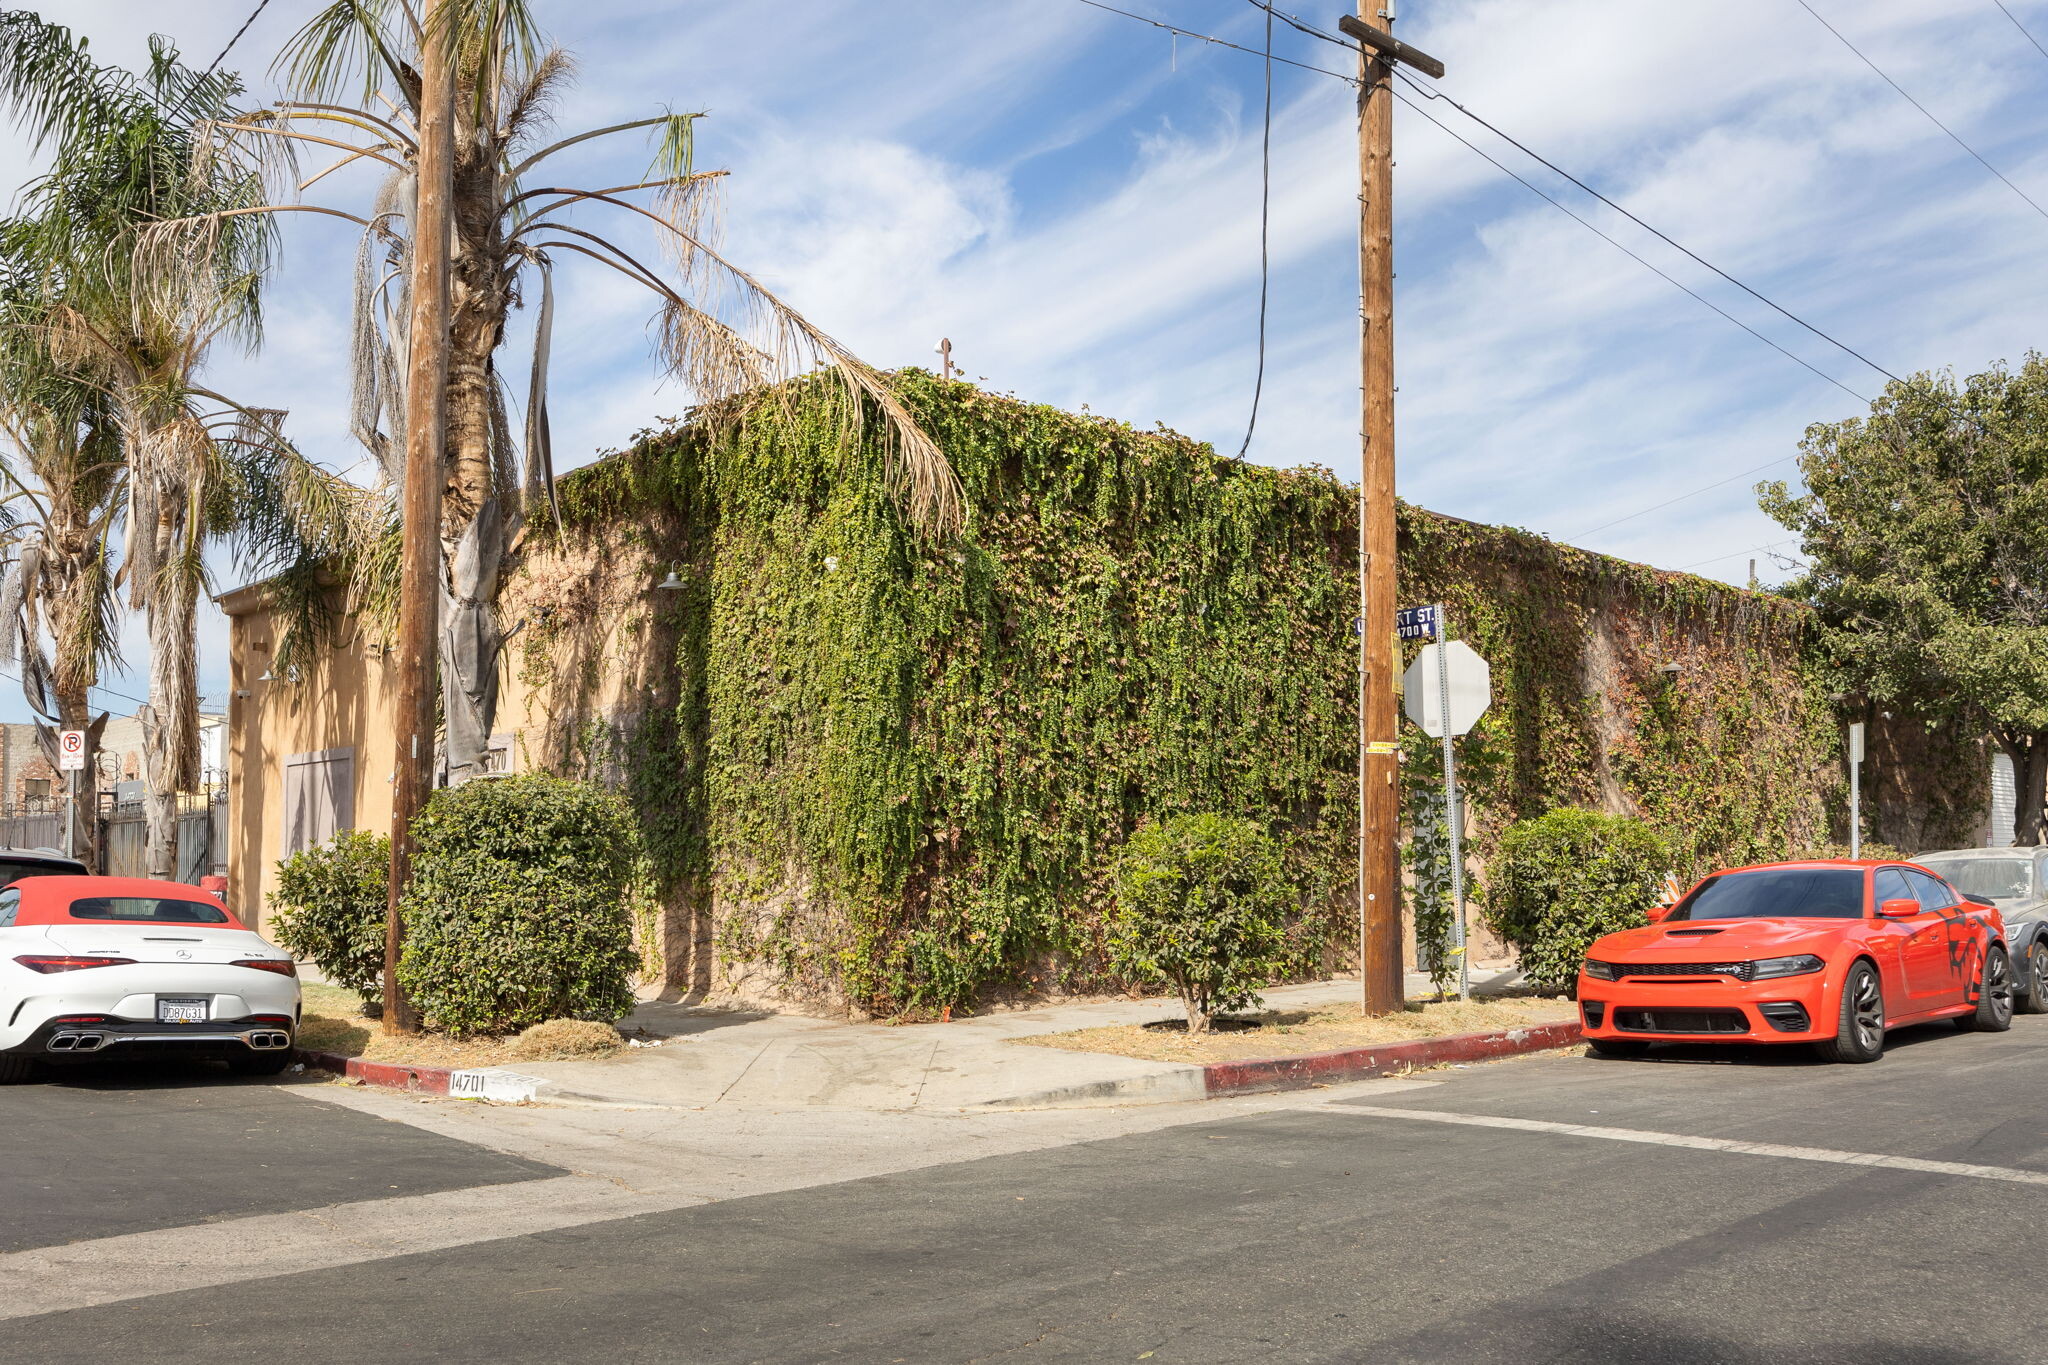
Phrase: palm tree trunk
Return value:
(473, 511)
(170, 727)
(74, 712)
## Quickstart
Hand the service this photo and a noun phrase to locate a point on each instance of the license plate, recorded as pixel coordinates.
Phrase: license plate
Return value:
(169, 1011)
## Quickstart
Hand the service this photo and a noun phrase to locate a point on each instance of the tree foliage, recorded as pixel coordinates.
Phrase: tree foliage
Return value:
(1201, 905)
(1927, 527)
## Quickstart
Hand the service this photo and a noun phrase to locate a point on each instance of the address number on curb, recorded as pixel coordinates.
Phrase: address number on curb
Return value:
(501, 1087)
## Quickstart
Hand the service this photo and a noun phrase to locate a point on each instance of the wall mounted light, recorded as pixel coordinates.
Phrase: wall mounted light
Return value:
(1670, 671)
(268, 676)
(673, 583)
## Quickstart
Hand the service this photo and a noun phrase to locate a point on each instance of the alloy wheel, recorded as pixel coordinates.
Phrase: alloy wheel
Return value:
(1867, 1010)
(1998, 984)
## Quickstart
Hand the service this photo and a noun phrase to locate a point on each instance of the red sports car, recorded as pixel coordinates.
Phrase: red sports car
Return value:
(1827, 953)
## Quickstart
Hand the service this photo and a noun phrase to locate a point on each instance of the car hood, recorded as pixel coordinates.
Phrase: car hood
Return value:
(1716, 939)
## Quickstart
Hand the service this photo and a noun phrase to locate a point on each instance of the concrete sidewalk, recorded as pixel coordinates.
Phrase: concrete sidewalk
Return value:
(727, 1057)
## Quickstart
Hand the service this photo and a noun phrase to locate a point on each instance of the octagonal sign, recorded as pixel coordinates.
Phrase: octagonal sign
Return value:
(1471, 688)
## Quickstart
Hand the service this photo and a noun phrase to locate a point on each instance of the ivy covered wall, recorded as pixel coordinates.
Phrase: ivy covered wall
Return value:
(884, 773)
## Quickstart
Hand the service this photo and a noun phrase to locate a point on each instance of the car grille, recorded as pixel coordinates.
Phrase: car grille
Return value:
(1741, 971)
(1681, 1021)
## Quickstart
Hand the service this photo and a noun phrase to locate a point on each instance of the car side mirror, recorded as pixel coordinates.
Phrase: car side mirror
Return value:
(1659, 913)
(1905, 907)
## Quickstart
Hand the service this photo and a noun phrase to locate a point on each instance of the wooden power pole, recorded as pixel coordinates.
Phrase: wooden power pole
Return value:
(1382, 979)
(426, 411)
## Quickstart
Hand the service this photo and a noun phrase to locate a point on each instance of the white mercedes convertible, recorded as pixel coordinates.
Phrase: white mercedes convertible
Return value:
(94, 967)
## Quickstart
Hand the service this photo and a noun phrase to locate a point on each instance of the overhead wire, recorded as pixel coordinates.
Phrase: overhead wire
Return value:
(1953, 136)
(1265, 253)
(1558, 170)
(1593, 228)
(1219, 42)
(2021, 27)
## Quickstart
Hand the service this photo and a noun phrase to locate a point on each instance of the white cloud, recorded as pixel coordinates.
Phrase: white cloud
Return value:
(1075, 204)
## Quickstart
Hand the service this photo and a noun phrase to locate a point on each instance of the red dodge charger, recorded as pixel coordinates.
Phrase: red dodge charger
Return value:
(1826, 953)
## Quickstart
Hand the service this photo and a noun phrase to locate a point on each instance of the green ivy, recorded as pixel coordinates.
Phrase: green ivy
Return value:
(895, 771)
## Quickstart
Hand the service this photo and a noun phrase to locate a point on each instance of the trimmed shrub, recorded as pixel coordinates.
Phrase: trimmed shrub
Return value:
(1561, 880)
(329, 909)
(517, 909)
(1200, 905)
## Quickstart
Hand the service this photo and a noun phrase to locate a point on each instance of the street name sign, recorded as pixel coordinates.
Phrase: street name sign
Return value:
(1417, 623)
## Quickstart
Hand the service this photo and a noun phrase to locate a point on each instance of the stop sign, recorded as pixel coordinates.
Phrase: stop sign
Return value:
(1471, 688)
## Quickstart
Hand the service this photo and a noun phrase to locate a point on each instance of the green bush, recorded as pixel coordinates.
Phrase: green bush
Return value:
(329, 909)
(1200, 905)
(517, 911)
(1561, 880)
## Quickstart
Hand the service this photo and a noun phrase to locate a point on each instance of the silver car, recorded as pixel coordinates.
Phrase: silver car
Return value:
(2016, 881)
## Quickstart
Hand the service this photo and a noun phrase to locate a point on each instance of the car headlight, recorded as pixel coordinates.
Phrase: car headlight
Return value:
(1600, 971)
(1785, 966)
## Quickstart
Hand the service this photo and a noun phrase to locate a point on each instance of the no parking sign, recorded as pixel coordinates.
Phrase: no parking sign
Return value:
(70, 751)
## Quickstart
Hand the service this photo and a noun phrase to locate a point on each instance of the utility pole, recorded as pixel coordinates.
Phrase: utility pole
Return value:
(426, 411)
(1382, 980)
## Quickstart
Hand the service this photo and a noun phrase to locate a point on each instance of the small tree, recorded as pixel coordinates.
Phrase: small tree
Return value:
(1561, 880)
(1200, 905)
(329, 907)
(516, 913)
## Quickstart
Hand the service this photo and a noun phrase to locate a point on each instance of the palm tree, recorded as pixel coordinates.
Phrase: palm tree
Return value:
(64, 478)
(354, 73)
(125, 153)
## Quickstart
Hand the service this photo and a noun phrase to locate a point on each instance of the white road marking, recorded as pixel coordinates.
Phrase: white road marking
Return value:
(628, 1163)
(203, 1255)
(2011, 1174)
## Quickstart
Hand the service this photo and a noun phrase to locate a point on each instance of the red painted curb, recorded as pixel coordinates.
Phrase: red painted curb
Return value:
(1359, 1063)
(422, 1080)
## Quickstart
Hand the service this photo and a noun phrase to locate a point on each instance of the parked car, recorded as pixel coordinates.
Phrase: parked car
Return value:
(16, 863)
(1827, 953)
(95, 967)
(2016, 881)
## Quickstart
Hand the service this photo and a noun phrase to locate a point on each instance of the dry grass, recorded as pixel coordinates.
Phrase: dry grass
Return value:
(334, 1022)
(1293, 1033)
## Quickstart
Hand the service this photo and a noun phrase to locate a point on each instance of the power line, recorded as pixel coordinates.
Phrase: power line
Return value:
(2021, 27)
(1705, 488)
(1595, 230)
(1732, 554)
(1923, 108)
(1219, 42)
(1297, 22)
(1265, 255)
(1662, 236)
(1552, 166)
(214, 65)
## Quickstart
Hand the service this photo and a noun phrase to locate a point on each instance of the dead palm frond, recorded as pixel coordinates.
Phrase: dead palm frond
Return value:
(353, 71)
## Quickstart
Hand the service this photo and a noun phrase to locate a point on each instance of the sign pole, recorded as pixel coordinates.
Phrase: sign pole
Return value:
(1856, 790)
(1453, 812)
(71, 814)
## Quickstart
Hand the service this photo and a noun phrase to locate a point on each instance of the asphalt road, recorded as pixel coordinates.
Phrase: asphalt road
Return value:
(1702, 1207)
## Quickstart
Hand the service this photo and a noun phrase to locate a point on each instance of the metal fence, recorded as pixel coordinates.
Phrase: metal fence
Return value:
(124, 839)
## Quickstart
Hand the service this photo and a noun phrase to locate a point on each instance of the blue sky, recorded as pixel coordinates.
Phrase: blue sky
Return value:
(1072, 197)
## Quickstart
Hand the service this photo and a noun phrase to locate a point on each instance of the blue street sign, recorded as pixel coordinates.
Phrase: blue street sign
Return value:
(1416, 623)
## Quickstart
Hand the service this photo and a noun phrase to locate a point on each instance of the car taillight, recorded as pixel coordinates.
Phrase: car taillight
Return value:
(47, 965)
(283, 967)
